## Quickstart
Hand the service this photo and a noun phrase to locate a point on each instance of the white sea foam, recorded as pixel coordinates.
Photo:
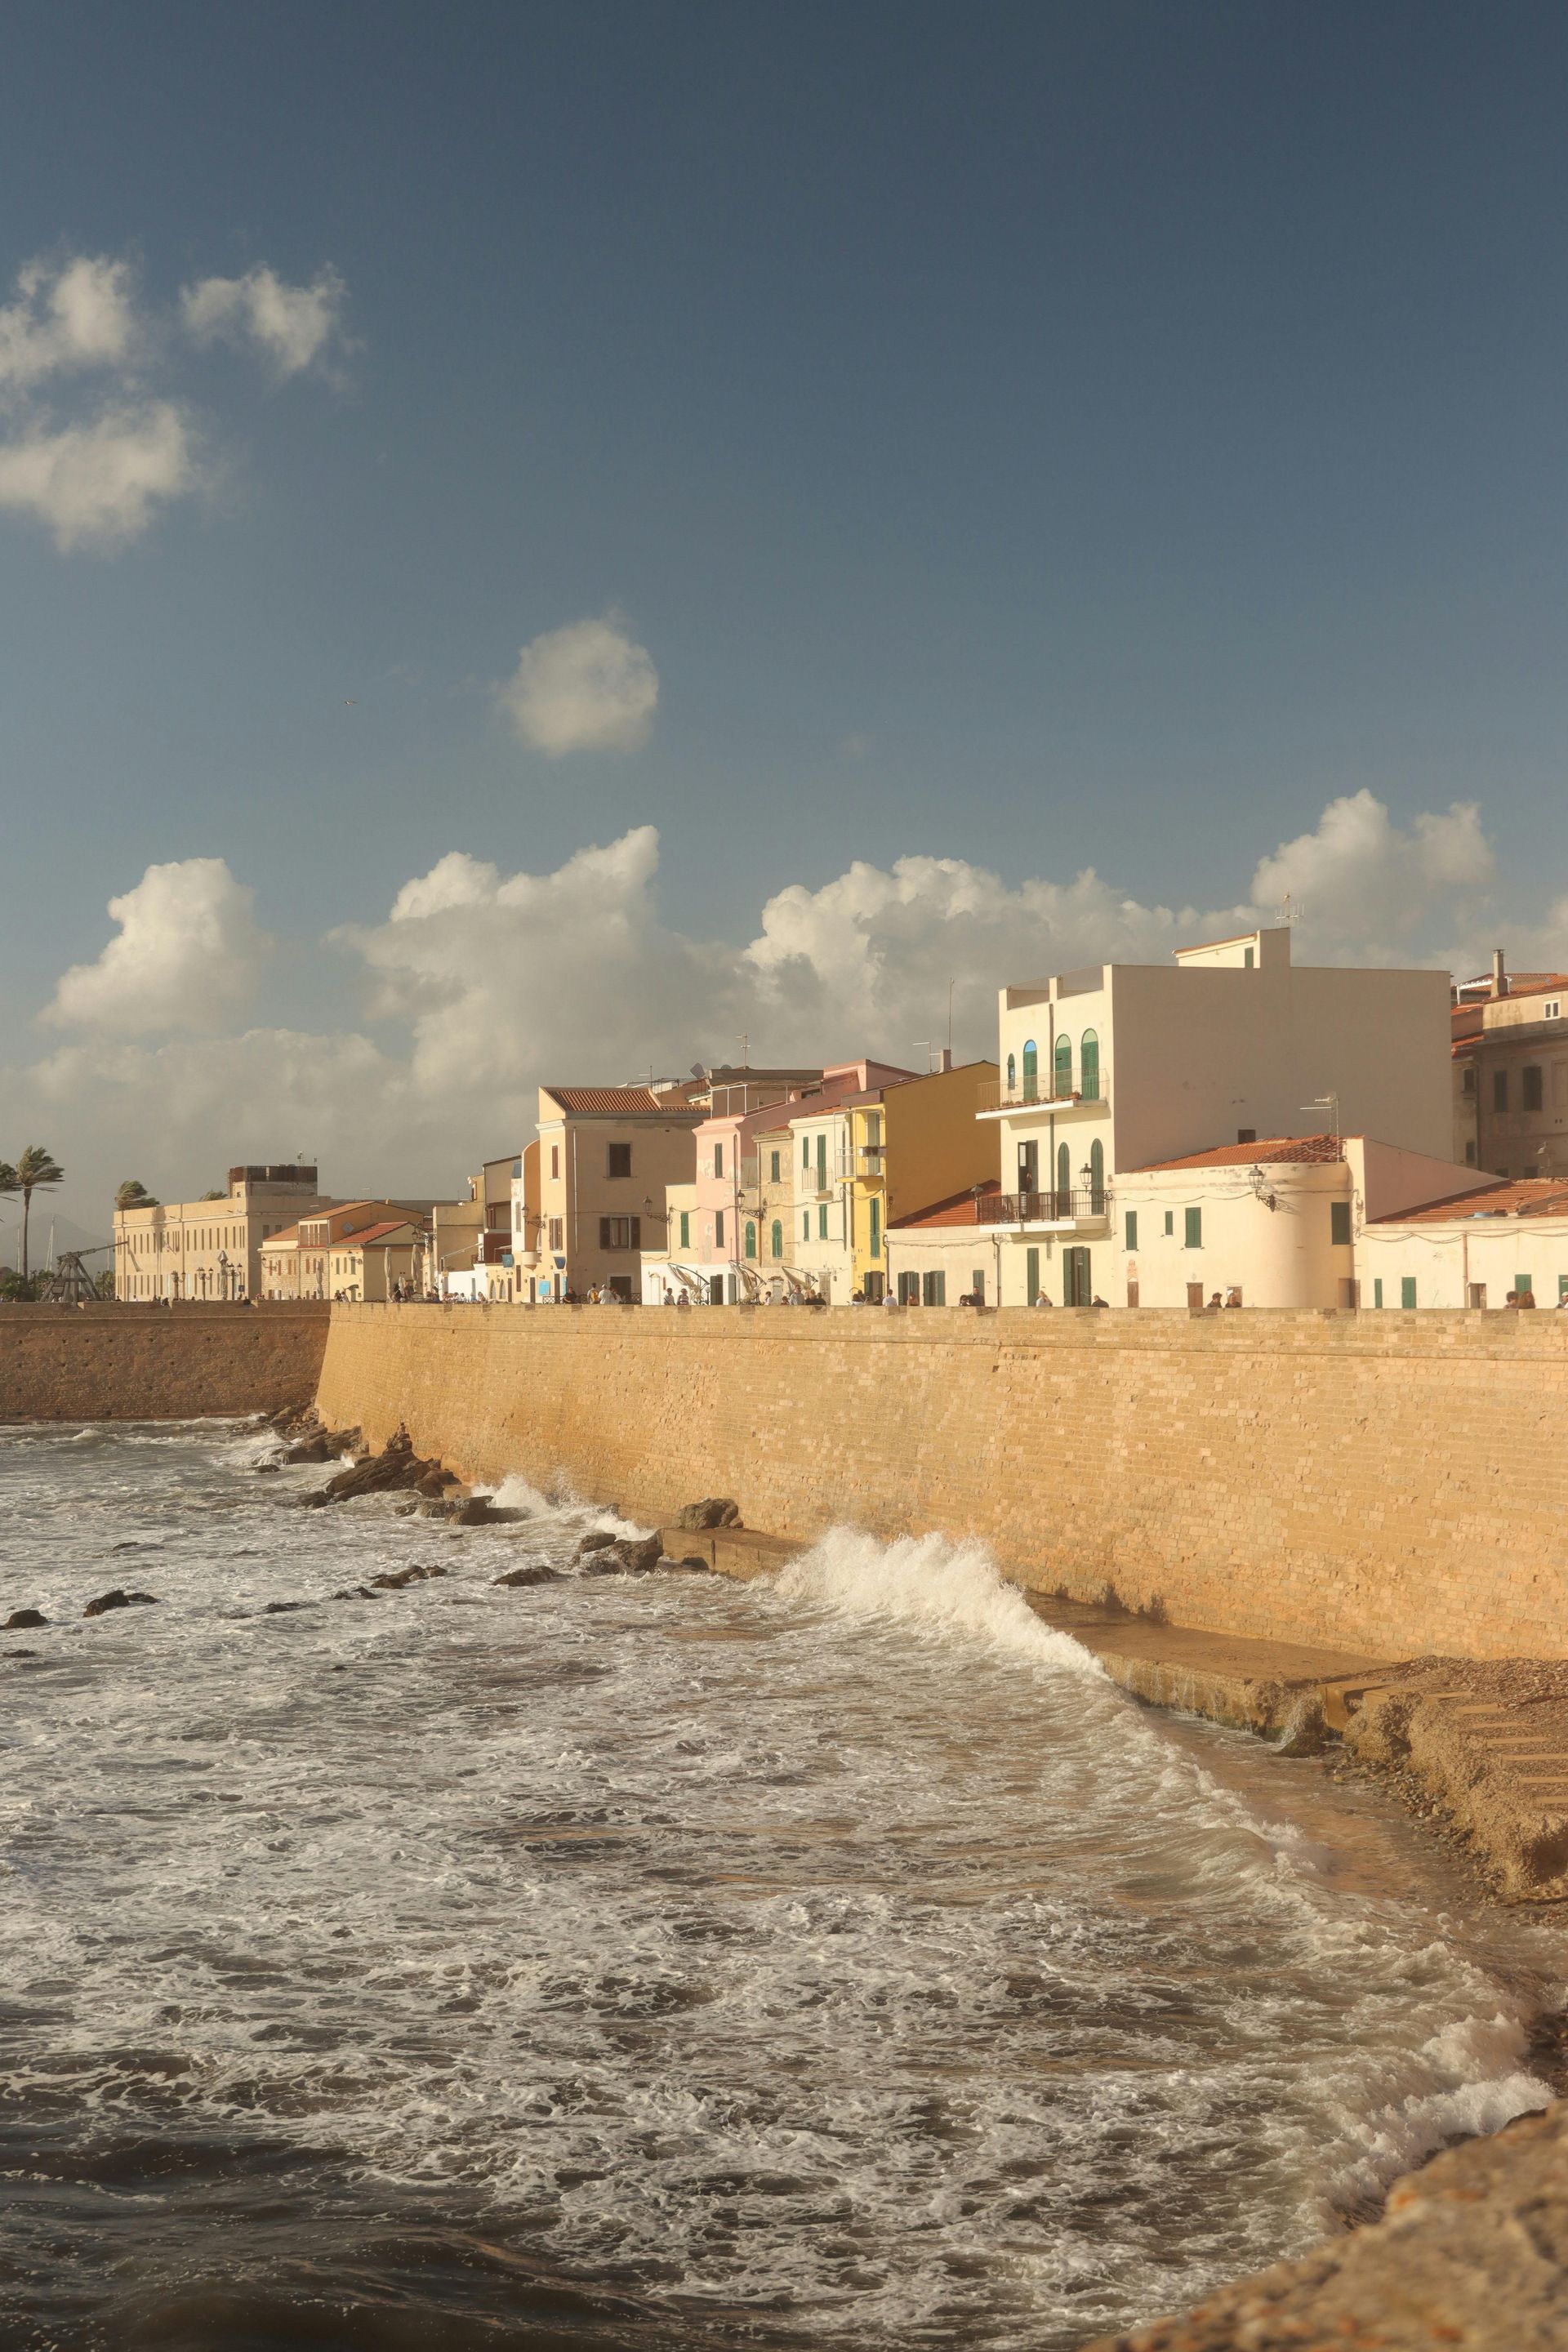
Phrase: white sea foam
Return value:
(848, 1948)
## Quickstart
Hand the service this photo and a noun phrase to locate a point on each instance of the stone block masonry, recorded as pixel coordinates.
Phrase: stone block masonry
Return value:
(154, 1363)
(1395, 1483)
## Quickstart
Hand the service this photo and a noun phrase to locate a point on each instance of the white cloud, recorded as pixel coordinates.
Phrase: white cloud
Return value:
(488, 982)
(584, 687)
(71, 315)
(292, 326)
(99, 484)
(187, 956)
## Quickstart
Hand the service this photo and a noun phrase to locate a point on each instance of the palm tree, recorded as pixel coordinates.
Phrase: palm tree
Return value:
(9, 1187)
(133, 1194)
(36, 1171)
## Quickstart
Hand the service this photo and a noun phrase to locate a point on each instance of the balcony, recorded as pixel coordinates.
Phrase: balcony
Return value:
(994, 1098)
(1064, 1212)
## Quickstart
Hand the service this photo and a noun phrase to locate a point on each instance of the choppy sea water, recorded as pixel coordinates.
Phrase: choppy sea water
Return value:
(657, 1962)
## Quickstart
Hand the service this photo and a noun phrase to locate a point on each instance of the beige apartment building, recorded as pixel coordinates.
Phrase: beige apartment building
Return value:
(209, 1249)
(1510, 1065)
(353, 1249)
(606, 1155)
(1118, 1068)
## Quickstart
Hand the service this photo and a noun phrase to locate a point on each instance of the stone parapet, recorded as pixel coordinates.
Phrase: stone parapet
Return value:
(114, 1362)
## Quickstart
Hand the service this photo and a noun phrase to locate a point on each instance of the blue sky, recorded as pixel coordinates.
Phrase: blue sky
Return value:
(1044, 437)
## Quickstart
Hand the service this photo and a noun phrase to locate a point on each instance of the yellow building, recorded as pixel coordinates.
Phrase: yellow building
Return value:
(357, 1250)
(209, 1249)
(912, 1144)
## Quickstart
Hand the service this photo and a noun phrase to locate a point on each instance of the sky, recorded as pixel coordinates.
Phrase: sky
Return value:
(537, 541)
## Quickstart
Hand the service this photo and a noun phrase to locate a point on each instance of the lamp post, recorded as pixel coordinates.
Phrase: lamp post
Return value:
(223, 1274)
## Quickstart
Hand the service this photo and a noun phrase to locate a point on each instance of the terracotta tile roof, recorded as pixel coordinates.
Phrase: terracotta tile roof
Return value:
(958, 1209)
(628, 1101)
(370, 1233)
(1526, 1196)
(1317, 1151)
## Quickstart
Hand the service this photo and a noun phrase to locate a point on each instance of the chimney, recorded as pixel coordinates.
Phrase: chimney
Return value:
(1500, 974)
(946, 1061)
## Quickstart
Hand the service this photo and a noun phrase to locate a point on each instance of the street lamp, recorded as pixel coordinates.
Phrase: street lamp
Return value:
(223, 1272)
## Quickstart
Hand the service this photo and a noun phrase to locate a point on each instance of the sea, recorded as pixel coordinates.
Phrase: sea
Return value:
(836, 1960)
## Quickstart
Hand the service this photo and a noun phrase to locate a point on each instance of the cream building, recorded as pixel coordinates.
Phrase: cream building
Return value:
(209, 1249)
(1471, 1251)
(1120, 1067)
(351, 1249)
(606, 1155)
(1509, 1063)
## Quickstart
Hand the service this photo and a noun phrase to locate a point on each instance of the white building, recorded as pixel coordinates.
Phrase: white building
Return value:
(1120, 1068)
(1471, 1251)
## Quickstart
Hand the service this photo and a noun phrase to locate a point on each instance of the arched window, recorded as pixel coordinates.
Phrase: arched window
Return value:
(1088, 1066)
(751, 1237)
(1031, 1070)
(1063, 1178)
(1097, 1178)
(1062, 1079)
(1011, 1077)
(777, 1238)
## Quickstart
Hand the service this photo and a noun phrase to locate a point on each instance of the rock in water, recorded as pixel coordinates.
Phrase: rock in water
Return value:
(630, 1556)
(119, 1600)
(22, 1621)
(395, 1579)
(713, 1511)
(538, 1572)
(600, 1540)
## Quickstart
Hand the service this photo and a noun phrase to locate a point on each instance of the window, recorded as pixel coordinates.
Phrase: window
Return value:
(977, 1286)
(935, 1290)
(557, 1226)
(1339, 1224)
(822, 1161)
(1377, 1292)
(1468, 1082)
(909, 1290)
(1031, 1070)
(620, 1233)
(1088, 1066)
(1061, 1079)
(686, 1229)
(1529, 1078)
(1522, 1283)
(874, 1246)
(1476, 1296)
(1499, 1090)
(1469, 1155)
(1097, 1178)
(805, 1151)
(1170, 1221)
(1248, 957)
(776, 1238)
(718, 1228)
(1552, 1009)
(805, 1224)
(1012, 1074)
(555, 1160)
(773, 1177)
(822, 1223)
(1064, 1175)
(1132, 1226)
(717, 1159)
(1408, 1290)
(751, 1238)
(1031, 1275)
(1247, 1135)
(619, 1163)
(1194, 1228)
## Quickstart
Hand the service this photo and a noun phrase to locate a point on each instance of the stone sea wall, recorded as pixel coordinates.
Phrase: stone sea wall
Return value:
(1397, 1483)
(153, 1364)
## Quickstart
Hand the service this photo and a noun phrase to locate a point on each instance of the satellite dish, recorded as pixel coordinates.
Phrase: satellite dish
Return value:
(698, 1071)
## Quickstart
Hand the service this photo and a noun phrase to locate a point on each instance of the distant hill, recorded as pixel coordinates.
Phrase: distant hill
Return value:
(67, 1233)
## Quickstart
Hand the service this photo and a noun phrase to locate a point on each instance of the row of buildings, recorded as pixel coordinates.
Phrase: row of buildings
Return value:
(1234, 1129)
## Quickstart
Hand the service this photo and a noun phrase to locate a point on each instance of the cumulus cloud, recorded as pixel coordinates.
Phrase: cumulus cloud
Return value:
(96, 464)
(67, 315)
(293, 326)
(481, 983)
(187, 956)
(588, 686)
(100, 484)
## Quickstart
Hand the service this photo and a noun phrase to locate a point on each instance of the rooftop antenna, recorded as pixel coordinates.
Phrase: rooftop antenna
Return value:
(1331, 1103)
(952, 984)
(1291, 910)
(744, 1042)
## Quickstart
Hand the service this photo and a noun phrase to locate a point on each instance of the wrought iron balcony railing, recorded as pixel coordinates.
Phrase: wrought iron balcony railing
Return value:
(1042, 1208)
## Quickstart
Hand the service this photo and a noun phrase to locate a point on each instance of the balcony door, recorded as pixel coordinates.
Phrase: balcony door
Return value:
(1064, 1181)
(1077, 1288)
(1029, 1168)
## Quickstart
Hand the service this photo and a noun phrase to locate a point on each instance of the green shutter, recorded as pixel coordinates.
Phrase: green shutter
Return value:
(1408, 1290)
(1194, 1220)
(1031, 1276)
(718, 1229)
(778, 1238)
(822, 1223)
(686, 1229)
(1340, 1221)
(1377, 1292)
(1521, 1282)
(876, 1243)
(1132, 1229)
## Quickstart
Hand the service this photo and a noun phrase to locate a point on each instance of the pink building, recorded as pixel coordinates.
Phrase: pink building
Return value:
(746, 1104)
